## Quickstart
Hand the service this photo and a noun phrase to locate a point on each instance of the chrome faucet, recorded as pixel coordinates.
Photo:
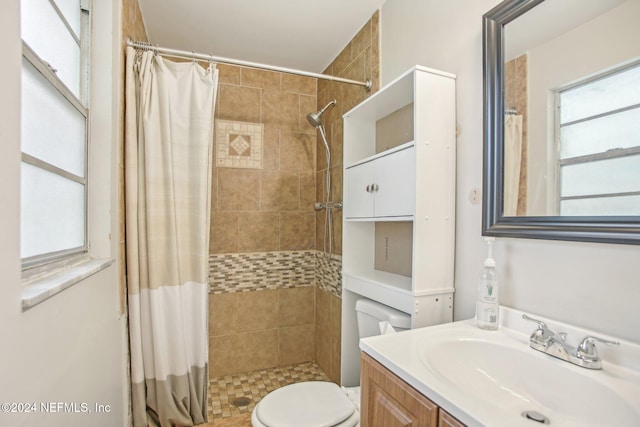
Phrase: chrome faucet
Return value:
(585, 355)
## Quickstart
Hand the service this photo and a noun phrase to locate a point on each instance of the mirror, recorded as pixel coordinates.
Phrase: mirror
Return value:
(562, 120)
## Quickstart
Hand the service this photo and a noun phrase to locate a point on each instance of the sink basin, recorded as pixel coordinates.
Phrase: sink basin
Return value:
(493, 378)
(516, 379)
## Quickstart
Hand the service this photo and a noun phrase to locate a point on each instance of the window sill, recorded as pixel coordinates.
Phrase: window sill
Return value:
(43, 288)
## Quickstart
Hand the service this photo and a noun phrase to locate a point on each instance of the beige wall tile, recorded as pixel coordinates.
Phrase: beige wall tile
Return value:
(280, 191)
(238, 189)
(296, 344)
(256, 350)
(257, 310)
(336, 219)
(375, 40)
(260, 78)
(222, 356)
(223, 314)
(258, 231)
(336, 182)
(321, 158)
(271, 149)
(299, 84)
(297, 152)
(224, 232)
(281, 110)
(336, 316)
(323, 349)
(238, 103)
(228, 74)
(342, 60)
(334, 364)
(362, 40)
(323, 311)
(307, 192)
(320, 221)
(337, 136)
(297, 306)
(297, 231)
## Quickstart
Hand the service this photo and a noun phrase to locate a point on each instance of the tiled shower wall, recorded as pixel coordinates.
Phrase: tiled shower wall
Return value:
(263, 222)
(275, 298)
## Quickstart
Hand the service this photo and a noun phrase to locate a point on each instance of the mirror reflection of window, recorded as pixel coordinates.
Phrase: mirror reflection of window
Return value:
(598, 137)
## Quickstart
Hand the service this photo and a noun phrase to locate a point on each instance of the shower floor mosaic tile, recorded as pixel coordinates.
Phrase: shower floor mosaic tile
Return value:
(233, 397)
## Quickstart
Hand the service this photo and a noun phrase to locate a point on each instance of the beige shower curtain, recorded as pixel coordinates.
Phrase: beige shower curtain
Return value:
(168, 152)
(512, 162)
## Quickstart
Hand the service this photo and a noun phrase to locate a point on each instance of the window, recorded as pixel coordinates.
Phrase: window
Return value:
(54, 130)
(598, 129)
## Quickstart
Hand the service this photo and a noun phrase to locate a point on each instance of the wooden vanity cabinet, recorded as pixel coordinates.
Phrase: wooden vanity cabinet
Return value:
(386, 400)
(445, 419)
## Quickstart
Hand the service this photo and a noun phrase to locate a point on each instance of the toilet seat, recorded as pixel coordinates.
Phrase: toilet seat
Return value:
(311, 403)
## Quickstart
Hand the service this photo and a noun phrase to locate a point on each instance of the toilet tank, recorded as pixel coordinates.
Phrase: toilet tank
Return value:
(370, 313)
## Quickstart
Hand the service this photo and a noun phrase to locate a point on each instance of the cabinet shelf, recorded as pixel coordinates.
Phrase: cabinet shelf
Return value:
(381, 154)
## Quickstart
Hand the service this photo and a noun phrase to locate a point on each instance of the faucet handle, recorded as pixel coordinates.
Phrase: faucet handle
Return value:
(543, 333)
(587, 349)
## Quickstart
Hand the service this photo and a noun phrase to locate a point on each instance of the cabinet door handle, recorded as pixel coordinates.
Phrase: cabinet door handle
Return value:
(368, 188)
(374, 187)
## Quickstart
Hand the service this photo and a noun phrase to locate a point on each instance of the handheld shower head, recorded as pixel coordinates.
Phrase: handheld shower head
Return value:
(315, 119)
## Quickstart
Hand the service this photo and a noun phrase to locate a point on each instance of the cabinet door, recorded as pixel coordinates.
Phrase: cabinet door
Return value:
(395, 180)
(358, 199)
(388, 401)
(447, 420)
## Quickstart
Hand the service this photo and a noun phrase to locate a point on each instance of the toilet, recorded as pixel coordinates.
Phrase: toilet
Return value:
(323, 403)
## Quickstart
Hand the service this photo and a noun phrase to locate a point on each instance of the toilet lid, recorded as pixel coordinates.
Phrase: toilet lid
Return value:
(316, 403)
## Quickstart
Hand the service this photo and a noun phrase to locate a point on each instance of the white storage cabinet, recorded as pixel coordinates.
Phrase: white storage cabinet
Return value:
(412, 182)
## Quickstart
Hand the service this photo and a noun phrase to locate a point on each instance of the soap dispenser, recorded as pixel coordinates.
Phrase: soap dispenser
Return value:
(487, 305)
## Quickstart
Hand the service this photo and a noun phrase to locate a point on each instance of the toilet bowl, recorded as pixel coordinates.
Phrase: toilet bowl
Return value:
(309, 403)
(322, 403)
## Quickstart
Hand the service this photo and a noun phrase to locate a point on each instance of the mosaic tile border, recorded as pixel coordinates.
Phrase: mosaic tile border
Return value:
(238, 272)
(239, 144)
(328, 272)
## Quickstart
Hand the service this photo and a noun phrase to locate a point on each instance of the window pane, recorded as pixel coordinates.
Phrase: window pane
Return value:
(610, 206)
(52, 212)
(46, 34)
(617, 175)
(620, 130)
(71, 11)
(53, 130)
(622, 89)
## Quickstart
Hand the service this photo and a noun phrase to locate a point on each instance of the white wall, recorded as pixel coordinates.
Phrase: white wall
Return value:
(596, 286)
(72, 347)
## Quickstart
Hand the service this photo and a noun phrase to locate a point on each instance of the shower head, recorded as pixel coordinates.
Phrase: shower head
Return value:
(315, 119)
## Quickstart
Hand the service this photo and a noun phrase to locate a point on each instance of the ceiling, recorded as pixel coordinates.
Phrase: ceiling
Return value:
(301, 34)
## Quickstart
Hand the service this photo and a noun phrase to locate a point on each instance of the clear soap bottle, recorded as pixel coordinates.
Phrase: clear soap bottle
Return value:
(487, 305)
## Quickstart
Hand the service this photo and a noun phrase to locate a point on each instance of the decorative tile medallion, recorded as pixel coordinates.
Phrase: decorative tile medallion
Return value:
(239, 144)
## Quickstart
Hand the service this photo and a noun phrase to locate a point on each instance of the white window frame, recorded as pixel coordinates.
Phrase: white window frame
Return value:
(609, 154)
(48, 262)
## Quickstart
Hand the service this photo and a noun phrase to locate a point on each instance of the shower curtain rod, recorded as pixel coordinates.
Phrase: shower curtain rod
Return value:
(210, 58)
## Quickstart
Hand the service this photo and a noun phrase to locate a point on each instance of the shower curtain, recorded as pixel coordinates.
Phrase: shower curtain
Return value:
(512, 162)
(168, 152)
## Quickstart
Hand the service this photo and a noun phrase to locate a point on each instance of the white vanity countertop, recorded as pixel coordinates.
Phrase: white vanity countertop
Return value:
(488, 378)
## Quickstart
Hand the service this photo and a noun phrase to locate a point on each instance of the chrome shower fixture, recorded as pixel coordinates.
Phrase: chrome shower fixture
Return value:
(315, 119)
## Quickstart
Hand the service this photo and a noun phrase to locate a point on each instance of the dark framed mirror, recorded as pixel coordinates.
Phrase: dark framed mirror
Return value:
(572, 170)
